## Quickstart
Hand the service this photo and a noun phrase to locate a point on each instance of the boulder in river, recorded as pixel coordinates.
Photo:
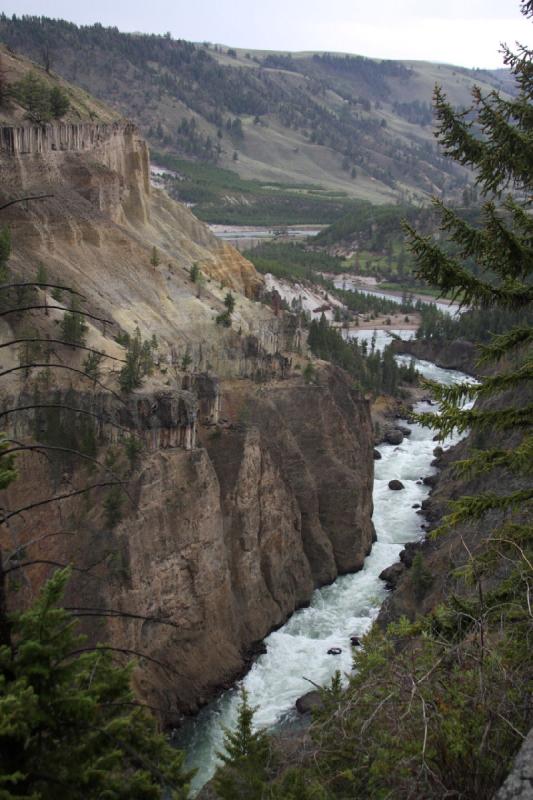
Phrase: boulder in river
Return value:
(407, 555)
(392, 574)
(355, 641)
(394, 436)
(334, 651)
(404, 429)
(431, 480)
(377, 455)
(308, 701)
(415, 505)
(396, 485)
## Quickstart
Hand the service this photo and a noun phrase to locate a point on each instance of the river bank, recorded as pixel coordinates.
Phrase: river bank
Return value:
(246, 237)
(298, 652)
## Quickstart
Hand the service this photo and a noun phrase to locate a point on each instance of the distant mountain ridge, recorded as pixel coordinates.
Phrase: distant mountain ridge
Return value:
(349, 124)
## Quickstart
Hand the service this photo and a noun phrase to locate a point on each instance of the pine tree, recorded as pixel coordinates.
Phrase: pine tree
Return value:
(139, 362)
(59, 102)
(5, 251)
(495, 138)
(69, 723)
(246, 758)
(154, 257)
(73, 325)
(229, 302)
(4, 94)
(33, 95)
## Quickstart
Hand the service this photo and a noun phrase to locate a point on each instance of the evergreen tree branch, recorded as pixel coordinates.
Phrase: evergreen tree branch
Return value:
(503, 343)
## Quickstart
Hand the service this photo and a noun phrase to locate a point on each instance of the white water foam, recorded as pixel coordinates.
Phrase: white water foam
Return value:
(298, 650)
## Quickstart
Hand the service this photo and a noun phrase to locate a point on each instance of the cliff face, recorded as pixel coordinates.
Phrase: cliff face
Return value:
(220, 539)
(42, 155)
(226, 488)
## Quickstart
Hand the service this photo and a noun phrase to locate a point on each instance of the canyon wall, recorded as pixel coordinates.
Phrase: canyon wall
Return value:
(219, 536)
(226, 488)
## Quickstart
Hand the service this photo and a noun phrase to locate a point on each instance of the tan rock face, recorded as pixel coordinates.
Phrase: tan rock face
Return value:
(221, 532)
(97, 230)
(216, 545)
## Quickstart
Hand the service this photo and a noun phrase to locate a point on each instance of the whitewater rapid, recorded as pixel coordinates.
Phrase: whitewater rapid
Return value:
(298, 650)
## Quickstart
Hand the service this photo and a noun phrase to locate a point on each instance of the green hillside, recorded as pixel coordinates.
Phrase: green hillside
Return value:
(320, 122)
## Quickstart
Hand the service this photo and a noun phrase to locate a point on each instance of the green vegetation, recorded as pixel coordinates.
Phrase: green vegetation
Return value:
(246, 760)
(252, 202)
(139, 361)
(420, 576)
(293, 261)
(340, 120)
(474, 325)
(5, 252)
(63, 428)
(155, 260)
(113, 506)
(91, 366)
(224, 318)
(309, 373)
(363, 303)
(29, 352)
(372, 371)
(229, 302)
(42, 102)
(69, 723)
(194, 272)
(437, 707)
(377, 235)
(73, 325)
(133, 447)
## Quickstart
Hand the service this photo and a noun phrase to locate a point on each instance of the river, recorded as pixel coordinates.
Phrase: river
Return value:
(344, 282)
(349, 606)
(245, 237)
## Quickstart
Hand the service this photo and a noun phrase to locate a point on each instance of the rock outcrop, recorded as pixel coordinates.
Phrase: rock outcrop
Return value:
(457, 354)
(226, 489)
(219, 537)
(519, 782)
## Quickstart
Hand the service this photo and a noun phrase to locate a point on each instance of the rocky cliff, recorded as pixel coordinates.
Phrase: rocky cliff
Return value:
(217, 541)
(226, 488)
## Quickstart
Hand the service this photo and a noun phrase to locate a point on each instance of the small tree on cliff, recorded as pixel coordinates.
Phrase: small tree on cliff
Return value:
(59, 102)
(34, 95)
(5, 251)
(139, 362)
(246, 758)
(73, 325)
(229, 302)
(154, 257)
(4, 93)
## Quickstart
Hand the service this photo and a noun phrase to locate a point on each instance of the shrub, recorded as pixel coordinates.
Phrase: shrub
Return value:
(139, 362)
(73, 325)
(113, 506)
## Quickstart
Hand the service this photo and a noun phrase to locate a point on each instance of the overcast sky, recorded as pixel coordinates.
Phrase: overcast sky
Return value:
(464, 32)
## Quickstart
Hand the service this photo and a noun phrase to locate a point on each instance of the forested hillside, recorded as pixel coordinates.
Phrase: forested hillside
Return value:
(321, 122)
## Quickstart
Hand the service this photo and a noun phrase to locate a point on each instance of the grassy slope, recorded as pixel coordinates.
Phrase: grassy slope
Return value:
(393, 158)
(83, 107)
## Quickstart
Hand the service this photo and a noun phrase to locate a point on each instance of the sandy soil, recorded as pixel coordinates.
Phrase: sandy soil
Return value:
(397, 322)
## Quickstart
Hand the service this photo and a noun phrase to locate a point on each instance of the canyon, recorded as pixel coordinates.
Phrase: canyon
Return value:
(249, 486)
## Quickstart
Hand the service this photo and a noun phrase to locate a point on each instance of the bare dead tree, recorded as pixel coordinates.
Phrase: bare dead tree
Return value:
(25, 199)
